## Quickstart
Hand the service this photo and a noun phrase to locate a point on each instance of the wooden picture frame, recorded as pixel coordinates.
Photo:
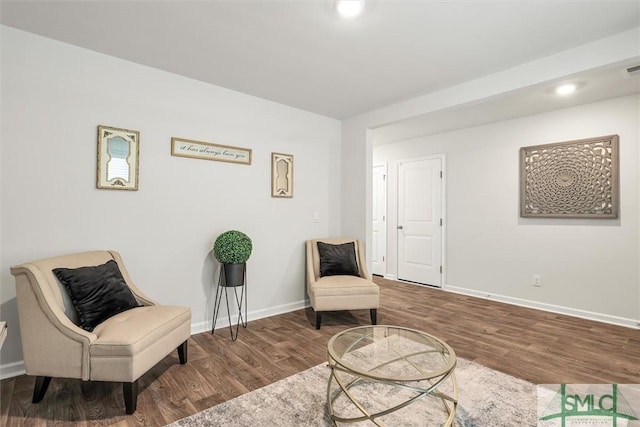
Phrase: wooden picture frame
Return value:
(281, 175)
(118, 158)
(571, 179)
(181, 147)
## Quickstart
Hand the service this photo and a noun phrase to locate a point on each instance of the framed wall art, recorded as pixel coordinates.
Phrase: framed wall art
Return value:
(204, 150)
(281, 175)
(572, 179)
(118, 151)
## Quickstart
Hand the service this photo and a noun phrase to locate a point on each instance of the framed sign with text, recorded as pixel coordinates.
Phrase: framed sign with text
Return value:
(203, 150)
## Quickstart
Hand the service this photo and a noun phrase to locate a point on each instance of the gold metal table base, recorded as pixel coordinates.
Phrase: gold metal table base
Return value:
(411, 361)
(450, 403)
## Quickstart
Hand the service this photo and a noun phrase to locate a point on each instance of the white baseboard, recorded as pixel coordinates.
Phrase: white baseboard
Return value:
(14, 369)
(9, 370)
(583, 314)
(390, 276)
(223, 320)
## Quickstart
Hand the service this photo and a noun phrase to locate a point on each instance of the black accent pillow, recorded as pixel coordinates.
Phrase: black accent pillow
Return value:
(97, 292)
(336, 260)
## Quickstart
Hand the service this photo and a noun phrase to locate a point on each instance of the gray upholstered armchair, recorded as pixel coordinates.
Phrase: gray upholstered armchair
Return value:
(57, 343)
(338, 279)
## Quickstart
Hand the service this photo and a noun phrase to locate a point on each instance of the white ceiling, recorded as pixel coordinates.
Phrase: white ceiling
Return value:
(299, 53)
(593, 86)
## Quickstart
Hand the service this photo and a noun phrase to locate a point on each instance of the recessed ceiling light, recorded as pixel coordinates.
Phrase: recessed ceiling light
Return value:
(566, 89)
(349, 8)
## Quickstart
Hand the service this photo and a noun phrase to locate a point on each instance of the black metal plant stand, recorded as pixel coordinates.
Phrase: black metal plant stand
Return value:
(222, 283)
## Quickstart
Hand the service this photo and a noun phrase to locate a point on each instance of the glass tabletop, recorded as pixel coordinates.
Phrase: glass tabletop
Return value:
(391, 353)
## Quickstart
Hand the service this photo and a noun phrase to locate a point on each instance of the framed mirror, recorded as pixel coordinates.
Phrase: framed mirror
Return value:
(117, 158)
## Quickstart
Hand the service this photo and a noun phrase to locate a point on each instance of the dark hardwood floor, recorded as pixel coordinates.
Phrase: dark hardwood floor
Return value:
(534, 345)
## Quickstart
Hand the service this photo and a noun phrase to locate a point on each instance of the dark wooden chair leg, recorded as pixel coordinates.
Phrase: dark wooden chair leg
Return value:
(130, 392)
(182, 353)
(374, 316)
(318, 319)
(42, 383)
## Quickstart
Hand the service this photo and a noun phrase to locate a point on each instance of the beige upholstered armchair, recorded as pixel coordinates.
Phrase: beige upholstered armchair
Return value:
(338, 279)
(59, 341)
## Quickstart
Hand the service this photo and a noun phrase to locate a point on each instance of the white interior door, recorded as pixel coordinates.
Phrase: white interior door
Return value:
(379, 227)
(420, 221)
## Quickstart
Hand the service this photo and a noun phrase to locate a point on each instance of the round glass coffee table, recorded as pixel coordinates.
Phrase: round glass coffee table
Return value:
(392, 367)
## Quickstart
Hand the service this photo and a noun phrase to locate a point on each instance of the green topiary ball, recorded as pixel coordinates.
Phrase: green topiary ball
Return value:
(232, 247)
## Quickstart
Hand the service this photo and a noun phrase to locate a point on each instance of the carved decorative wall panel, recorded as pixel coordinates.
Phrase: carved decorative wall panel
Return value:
(573, 179)
(281, 175)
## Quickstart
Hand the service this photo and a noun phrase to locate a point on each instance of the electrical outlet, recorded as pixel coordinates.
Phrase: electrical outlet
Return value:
(536, 280)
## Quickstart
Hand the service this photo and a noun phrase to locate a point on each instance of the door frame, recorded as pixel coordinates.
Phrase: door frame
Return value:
(443, 201)
(386, 213)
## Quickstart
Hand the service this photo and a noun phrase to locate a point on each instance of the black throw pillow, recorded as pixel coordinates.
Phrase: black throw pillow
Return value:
(97, 292)
(336, 260)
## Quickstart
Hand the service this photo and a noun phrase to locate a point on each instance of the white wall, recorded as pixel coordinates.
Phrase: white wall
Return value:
(55, 95)
(618, 49)
(587, 265)
(357, 160)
